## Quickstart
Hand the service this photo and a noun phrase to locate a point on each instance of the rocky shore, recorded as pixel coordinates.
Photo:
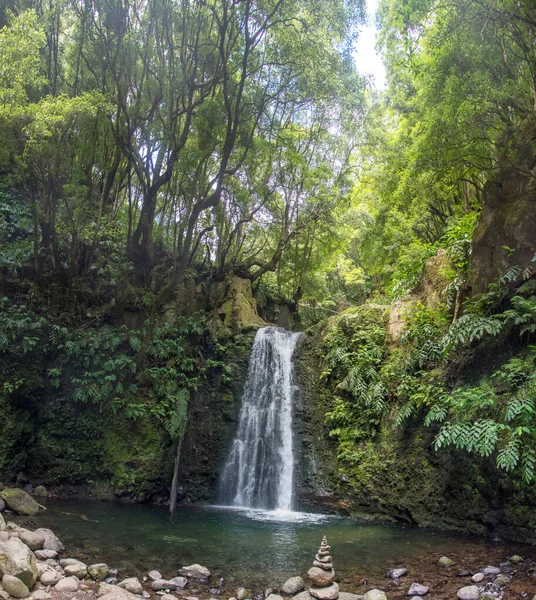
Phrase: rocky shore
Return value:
(35, 564)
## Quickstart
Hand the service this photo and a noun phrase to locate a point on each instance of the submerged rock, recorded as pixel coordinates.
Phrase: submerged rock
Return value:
(417, 589)
(445, 562)
(195, 571)
(516, 559)
(41, 491)
(397, 573)
(15, 587)
(20, 501)
(469, 592)
(491, 571)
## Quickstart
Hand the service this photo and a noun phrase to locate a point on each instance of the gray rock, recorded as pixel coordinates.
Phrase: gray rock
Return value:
(51, 540)
(67, 584)
(195, 571)
(145, 595)
(168, 597)
(154, 575)
(2, 505)
(375, 595)
(348, 596)
(320, 577)
(76, 570)
(41, 595)
(2, 523)
(44, 554)
(163, 584)
(294, 585)
(4, 595)
(500, 581)
(15, 587)
(4, 536)
(179, 582)
(516, 559)
(18, 560)
(111, 580)
(241, 593)
(132, 585)
(50, 577)
(331, 592)
(397, 573)
(270, 590)
(98, 571)
(114, 592)
(41, 491)
(445, 562)
(491, 571)
(20, 501)
(274, 597)
(416, 589)
(33, 540)
(469, 592)
(477, 577)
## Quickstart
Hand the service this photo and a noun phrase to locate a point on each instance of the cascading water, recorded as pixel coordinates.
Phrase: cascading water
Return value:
(260, 467)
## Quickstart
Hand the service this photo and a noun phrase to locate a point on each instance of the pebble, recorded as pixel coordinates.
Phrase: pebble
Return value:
(516, 559)
(296, 584)
(491, 571)
(417, 589)
(445, 562)
(396, 573)
(477, 577)
(154, 575)
(375, 595)
(500, 581)
(469, 592)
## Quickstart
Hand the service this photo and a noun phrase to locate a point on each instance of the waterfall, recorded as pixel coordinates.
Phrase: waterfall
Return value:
(260, 467)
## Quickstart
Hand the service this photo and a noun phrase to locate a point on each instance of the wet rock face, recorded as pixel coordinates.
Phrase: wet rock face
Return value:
(505, 234)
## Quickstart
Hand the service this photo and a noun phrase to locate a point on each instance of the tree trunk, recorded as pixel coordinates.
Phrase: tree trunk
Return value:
(175, 482)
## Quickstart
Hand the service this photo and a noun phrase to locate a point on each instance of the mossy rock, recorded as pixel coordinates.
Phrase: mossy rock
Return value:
(20, 501)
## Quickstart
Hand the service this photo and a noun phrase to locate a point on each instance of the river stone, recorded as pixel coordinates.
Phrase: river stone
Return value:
(18, 560)
(331, 592)
(168, 597)
(241, 593)
(319, 577)
(132, 585)
(51, 540)
(397, 573)
(195, 571)
(179, 582)
(44, 554)
(20, 501)
(2, 523)
(516, 559)
(491, 571)
(98, 571)
(154, 575)
(33, 540)
(301, 596)
(41, 491)
(445, 562)
(477, 577)
(4, 536)
(117, 593)
(296, 584)
(2, 504)
(68, 584)
(417, 589)
(469, 592)
(375, 595)
(41, 595)
(76, 570)
(163, 584)
(500, 581)
(274, 597)
(50, 577)
(15, 587)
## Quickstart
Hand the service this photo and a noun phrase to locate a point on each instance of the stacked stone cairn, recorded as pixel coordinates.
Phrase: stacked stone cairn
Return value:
(322, 575)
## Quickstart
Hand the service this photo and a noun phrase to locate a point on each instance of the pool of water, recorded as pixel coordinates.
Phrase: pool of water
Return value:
(251, 547)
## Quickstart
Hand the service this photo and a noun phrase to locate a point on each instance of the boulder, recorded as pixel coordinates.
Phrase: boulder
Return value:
(50, 577)
(68, 584)
(445, 562)
(416, 589)
(319, 577)
(469, 592)
(195, 572)
(51, 540)
(18, 560)
(15, 587)
(98, 571)
(20, 501)
(33, 540)
(331, 592)
(375, 595)
(397, 573)
(296, 584)
(132, 585)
